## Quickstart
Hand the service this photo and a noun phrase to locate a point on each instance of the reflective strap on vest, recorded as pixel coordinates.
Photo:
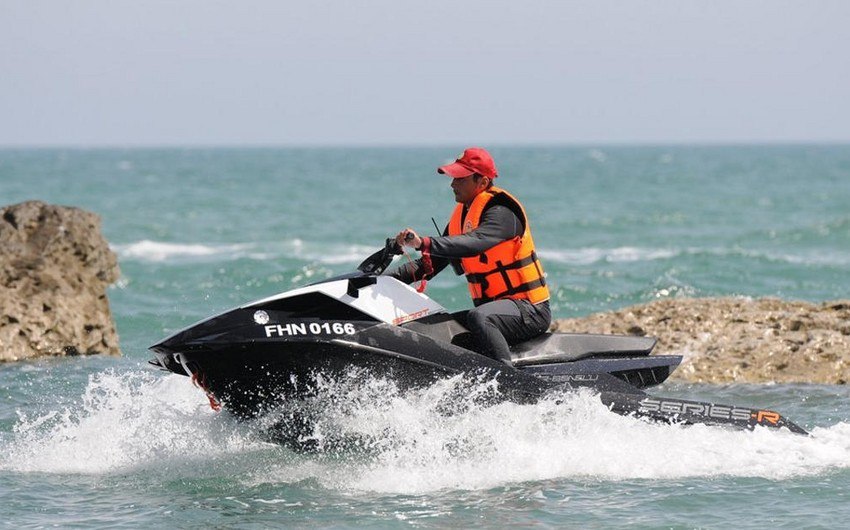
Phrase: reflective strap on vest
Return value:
(540, 282)
(480, 279)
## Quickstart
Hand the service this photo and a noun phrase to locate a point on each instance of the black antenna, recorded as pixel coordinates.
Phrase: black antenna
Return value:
(435, 226)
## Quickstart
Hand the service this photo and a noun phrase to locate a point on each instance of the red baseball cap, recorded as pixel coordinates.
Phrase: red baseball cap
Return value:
(473, 160)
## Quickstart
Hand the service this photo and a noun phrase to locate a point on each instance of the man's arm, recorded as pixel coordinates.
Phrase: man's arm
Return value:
(415, 270)
(498, 223)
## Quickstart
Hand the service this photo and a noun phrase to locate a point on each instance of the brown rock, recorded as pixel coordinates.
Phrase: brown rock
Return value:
(55, 267)
(738, 339)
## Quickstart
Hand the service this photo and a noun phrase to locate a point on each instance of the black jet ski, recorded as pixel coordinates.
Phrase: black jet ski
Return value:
(254, 357)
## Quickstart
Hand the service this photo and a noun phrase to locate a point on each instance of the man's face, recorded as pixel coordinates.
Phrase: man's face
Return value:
(465, 189)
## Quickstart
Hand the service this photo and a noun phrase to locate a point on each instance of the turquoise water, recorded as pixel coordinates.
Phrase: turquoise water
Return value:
(110, 442)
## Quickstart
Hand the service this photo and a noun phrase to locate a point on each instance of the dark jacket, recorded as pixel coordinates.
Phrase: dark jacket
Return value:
(498, 223)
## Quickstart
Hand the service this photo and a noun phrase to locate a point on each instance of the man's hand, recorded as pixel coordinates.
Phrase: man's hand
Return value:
(408, 238)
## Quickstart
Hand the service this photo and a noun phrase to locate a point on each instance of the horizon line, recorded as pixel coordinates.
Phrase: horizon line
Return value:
(428, 145)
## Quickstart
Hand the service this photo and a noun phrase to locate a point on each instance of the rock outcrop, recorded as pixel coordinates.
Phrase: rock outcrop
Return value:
(728, 340)
(55, 267)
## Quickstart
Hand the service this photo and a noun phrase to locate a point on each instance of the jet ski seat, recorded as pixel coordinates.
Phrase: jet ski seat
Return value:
(565, 347)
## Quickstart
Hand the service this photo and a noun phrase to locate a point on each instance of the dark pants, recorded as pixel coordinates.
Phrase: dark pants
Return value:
(498, 324)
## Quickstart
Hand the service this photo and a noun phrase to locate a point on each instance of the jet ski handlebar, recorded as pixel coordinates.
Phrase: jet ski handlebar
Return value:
(380, 260)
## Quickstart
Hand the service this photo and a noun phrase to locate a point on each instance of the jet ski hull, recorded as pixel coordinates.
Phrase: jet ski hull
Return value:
(250, 375)
(274, 372)
(250, 368)
(254, 357)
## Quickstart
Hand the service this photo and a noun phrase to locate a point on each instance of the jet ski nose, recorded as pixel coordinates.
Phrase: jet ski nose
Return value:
(174, 343)
(166, 355)
(164, 346)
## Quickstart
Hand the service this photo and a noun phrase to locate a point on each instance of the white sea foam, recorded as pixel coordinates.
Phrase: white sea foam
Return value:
(147, 250)
(167, 252)
(590, 255)
(597, 155)
(593, 255)
(335, 254)
(338, 254)
(442, 437)
(123, 421)
(416, 447)
(815, 257)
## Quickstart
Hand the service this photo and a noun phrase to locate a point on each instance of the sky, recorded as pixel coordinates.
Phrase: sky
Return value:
(392, 72)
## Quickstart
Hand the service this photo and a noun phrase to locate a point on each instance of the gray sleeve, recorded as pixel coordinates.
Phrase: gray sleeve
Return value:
(412, 271)
(498, 223)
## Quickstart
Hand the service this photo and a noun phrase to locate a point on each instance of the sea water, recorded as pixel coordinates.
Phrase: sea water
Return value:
(112, 442)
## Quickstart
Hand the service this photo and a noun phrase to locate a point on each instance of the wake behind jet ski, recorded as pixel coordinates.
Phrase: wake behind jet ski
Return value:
(257, 356)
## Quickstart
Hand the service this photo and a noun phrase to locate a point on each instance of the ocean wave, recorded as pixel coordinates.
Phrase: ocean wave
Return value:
(827, 258)
(446, 436)
(339, 254)
(812, 257)
(168, 252)
(158, 251)
(626, 254)
(591, 255)
(415, 446)
(124, 421)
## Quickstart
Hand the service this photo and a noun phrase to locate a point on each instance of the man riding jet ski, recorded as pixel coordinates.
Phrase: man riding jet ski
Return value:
(258, 356)
(488, 239)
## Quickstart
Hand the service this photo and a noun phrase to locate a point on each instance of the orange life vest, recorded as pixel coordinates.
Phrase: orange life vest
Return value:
(509, 269)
